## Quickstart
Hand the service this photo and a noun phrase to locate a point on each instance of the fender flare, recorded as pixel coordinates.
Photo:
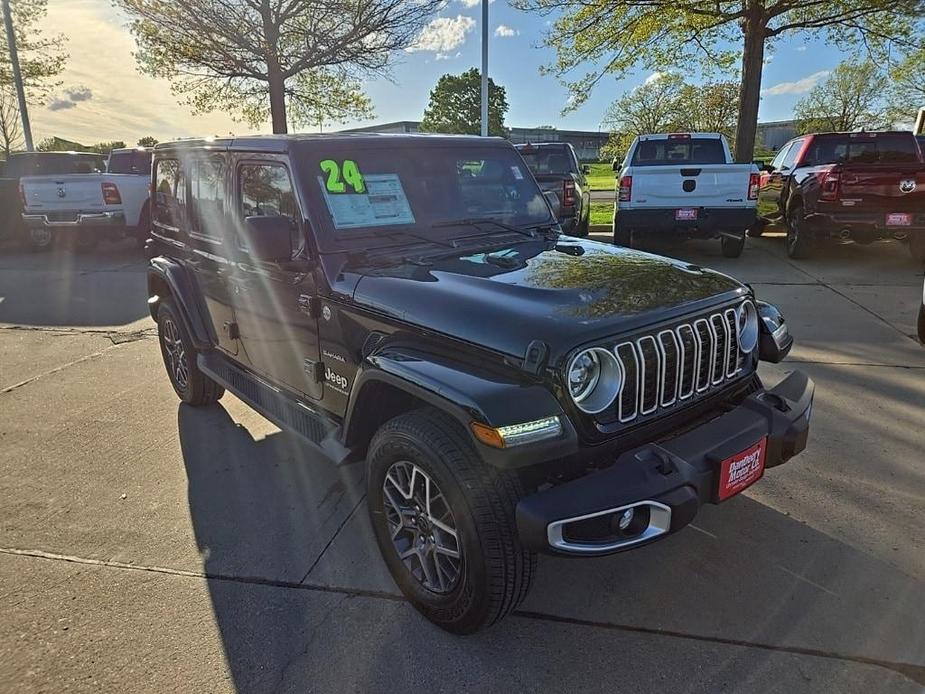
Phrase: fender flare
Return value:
(184, 293)
(467, 394)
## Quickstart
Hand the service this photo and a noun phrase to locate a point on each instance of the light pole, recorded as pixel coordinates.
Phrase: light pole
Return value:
(17, 75)
(484, 68)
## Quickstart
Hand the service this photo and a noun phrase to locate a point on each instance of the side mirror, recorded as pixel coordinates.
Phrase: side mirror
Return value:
(267, 238)
(585, 169)
(553, 201)
(774, 338)
(616, 165)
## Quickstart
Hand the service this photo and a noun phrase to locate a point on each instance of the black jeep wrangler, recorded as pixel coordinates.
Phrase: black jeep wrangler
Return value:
(410, 301)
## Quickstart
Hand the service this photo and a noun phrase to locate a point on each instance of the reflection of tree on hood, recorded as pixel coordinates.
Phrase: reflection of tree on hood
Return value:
(624, 281)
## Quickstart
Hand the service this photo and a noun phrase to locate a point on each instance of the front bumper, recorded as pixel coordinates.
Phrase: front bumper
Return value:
(72, 219)
(709, 222)
(669, 481)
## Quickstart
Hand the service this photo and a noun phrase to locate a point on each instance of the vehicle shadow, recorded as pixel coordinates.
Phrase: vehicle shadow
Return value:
(102, 288)
(263, 511)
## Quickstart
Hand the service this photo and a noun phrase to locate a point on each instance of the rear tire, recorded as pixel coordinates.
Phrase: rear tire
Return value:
(426, 452)
(41, 239)
(191, 385)
(622, 236)
(917, 247)
(732, 248)
(581, 230)
(799, 244)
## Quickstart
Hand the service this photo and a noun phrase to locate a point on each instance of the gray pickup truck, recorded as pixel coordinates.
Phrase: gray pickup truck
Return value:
(556, 168)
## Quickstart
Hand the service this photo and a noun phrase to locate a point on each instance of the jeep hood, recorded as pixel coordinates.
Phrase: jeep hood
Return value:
(564, 293)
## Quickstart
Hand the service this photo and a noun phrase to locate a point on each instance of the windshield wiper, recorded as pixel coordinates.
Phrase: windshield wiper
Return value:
(476, 221)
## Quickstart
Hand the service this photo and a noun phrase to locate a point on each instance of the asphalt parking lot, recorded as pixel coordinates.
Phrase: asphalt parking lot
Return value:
(151, 547)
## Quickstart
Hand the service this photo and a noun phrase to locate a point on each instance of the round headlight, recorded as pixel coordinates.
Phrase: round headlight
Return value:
(747, 326)
(594, 379)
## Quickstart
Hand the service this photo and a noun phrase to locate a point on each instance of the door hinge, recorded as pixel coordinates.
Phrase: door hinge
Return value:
(231, 328)
(314, 370)
(310, 305)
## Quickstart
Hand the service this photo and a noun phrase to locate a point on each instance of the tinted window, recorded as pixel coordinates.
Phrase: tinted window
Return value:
(266, 190)
(53, 163)
(427, 190)
(207, 193)
(791, 155)
(689, 150)
(862, 148)
(130, 162)
(548, 160)
(170, 195)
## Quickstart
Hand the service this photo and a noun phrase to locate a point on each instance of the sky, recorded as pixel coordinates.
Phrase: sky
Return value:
(104, 97)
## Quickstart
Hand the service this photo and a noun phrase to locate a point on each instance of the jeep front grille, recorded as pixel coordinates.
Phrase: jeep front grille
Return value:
(677, 364)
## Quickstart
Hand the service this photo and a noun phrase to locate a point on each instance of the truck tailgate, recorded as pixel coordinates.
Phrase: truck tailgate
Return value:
(697, 185)
(883, 187)
(70, 192)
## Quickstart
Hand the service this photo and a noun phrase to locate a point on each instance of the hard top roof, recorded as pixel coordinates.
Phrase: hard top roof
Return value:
(284, 143)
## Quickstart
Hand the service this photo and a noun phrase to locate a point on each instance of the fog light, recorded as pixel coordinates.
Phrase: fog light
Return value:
(626, 519)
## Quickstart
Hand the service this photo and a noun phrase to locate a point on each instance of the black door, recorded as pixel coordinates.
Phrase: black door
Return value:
(773, 183)
(272, 302)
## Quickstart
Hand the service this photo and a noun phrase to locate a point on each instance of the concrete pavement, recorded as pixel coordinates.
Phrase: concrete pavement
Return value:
(147, 546)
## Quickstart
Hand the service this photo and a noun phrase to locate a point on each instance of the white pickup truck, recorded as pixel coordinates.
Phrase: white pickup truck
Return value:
(88, 207)
(687, 186)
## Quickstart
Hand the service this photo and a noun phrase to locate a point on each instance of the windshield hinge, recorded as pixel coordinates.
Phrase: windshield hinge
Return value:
(535, 357)
(310, 305)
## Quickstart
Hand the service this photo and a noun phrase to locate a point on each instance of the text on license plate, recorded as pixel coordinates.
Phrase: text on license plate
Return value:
(686, 213)
(741, 470)
(899, 219)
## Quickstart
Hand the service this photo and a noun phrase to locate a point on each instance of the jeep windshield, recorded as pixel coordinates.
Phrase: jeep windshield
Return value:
(373, 195)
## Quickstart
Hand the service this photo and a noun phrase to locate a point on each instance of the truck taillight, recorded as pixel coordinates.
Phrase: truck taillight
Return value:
(568, 194)
(626, 189)
(828, 185)
(754, 181)
(111, 194)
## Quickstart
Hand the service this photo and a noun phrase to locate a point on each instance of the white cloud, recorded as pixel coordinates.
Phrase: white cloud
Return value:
(800, 86)
(80, 94)
(59, 104)
(800, 49)
(505, 31)
(447, 56)
(654, 77)
(443, 34)
(474, 3)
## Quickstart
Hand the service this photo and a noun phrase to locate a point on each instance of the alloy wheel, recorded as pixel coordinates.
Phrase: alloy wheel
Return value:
(176, 354)
(422, 527)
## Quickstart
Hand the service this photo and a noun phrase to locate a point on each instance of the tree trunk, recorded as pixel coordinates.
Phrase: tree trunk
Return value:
(277, 99)
(753, 28)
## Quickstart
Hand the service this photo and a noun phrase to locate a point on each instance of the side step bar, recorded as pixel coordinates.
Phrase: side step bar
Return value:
(283, 409)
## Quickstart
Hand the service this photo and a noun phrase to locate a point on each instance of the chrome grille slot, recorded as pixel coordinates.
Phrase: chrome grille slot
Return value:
(675, 364)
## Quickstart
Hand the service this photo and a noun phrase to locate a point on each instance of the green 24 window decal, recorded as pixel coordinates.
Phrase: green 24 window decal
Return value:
(342, 175)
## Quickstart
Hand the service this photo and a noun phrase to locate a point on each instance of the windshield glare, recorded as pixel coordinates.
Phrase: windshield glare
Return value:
(381, 191)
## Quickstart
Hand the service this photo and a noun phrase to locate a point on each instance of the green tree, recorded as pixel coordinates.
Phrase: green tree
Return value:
(147, 141)
(256, 57)
(907, 87)
(41, 58)
(852, 97)
(617, 36)
(456, 102)
(106, 147)
(325, 96)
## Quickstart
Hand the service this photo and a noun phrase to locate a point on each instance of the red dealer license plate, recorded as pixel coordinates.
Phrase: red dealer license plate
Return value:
(899, 219)
(686, 214)
(741, 470)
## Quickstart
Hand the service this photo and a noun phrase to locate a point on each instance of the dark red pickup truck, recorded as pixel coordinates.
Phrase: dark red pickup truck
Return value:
(860, 186)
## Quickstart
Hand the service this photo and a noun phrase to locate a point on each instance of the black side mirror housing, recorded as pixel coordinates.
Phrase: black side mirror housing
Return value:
(774, 338)
(553, 200)
(616, 165)
(268, 238)
(585, 169)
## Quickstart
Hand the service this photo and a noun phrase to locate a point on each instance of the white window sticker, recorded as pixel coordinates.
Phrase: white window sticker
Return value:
(518, 174)
(382, 203)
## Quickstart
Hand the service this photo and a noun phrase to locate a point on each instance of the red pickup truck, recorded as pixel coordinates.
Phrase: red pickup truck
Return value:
(861, 186)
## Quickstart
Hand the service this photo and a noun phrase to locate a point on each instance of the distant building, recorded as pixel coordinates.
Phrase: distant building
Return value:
(587, 143)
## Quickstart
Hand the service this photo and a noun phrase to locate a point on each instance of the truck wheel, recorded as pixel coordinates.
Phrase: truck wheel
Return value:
(582, 228)
(41, 239)
(444, 522)
(799, 244)
(193, 386)
(732, 247)
(917, 247)
(622, 237)
(757, 229)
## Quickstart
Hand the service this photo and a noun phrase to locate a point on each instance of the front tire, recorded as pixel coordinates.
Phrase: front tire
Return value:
(191, 385)
(444, 522)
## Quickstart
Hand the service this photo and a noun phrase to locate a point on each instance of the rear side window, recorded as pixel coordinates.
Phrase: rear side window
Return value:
(548, 160)
(690, 150)
(207, 192)
(266, 190)
(790, 157)
(862, 149)
(170, 195)
(132, 162)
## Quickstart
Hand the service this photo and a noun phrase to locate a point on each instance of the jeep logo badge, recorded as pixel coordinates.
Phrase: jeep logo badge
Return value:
(907, 185)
